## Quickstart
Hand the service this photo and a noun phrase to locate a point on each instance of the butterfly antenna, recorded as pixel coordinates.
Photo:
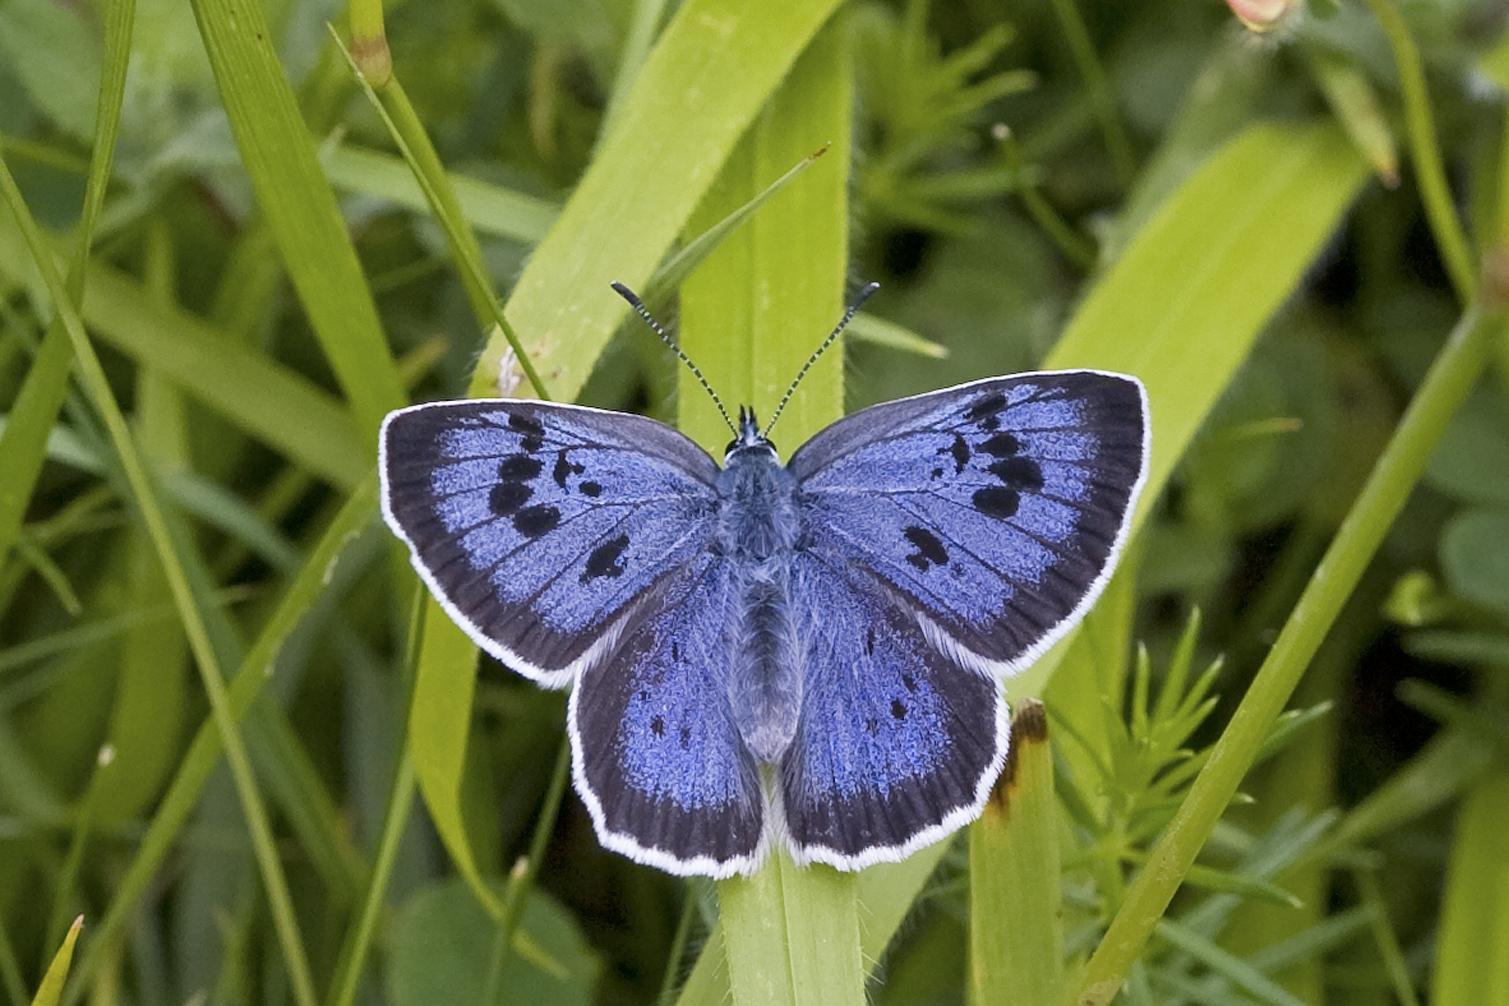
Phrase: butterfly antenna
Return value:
(843, 323)
(665, 337)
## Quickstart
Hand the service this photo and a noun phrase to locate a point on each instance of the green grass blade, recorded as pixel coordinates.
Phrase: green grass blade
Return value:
(1016, 928)
(24, 440)
(262, 397)
(618, 224)
(300, 208)
(1471, 966)
(392, 104)
(648, 174)
(489, 209)
(57, 972)
(752, 313)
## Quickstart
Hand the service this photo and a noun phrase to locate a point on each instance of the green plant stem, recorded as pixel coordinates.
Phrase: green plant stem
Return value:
(408, 132)
(92, 374)
(1425, 152)
(1102, 100)
(677, 955)
(521, 880)
(400, 800)
(1449, 380)
(23, 443)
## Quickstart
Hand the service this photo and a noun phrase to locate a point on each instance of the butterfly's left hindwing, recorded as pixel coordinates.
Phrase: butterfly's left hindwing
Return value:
(994, 510)
(896, 744)
(542, 527)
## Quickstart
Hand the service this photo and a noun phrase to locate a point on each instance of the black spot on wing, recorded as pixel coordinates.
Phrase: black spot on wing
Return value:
(520, 423)
(564, 469)
(506, 497)
(960, 450)
(930, 551)
(536, 520)
(1018, 473)
(988, 405)
(590, 488)
(999, 446)
(519, 468)
(534, 433)
(898, 709)
(657, 726)
(604, 560)
(996, 501)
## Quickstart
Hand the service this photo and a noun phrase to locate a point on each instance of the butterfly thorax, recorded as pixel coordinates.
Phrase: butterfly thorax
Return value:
(757, 529)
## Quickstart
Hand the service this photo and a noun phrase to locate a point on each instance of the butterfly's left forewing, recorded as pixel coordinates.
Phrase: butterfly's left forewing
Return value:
(544, 529)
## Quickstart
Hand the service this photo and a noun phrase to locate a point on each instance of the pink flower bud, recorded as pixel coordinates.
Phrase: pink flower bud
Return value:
(1262, 15)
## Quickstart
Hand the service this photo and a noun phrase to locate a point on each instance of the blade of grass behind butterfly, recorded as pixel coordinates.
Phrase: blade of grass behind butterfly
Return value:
(751, 314)
(268, 400)
(23, 443)
(300, 208)
(618, 224)
(1181, 309)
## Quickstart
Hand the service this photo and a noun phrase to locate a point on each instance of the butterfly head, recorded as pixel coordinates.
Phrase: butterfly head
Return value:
(750, 441)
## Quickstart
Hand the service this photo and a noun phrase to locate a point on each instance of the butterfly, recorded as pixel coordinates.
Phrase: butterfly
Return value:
(807, 654)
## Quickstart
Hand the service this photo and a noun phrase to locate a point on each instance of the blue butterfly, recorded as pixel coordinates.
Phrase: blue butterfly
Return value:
(807, 653)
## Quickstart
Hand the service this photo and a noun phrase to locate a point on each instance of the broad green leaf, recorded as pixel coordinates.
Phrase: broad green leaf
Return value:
(713, 67)
(300, 208)
(440, 948)
(1475, 557)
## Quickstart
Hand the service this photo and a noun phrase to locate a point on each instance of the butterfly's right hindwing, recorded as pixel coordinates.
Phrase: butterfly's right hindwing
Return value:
(543, 527)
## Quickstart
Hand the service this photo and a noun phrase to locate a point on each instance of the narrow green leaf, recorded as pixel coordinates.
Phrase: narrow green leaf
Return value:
(1471, 966)
(57, 972)
(489, 209)
(1235, 970)
(300, 208)
(264, 398)
(1016, 926)
(36, 406)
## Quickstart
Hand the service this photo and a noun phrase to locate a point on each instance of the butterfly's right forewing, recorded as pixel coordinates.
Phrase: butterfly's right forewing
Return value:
(544, 529)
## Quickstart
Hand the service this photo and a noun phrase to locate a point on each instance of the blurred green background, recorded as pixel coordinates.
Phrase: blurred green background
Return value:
(1003, 158)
